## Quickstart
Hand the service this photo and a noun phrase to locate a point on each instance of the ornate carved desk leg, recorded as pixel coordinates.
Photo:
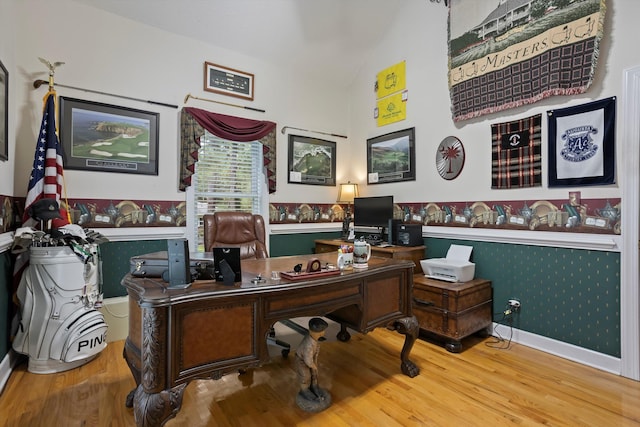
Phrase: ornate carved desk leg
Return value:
(155, 409)
(153, 405)
(136, 375)
(410, 327)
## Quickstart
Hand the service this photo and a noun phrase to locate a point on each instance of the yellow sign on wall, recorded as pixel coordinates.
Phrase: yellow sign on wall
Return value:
(391, 80)
(391, 109)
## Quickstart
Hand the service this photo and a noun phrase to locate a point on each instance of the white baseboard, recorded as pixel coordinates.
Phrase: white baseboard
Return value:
(562, 349)
(116, 314)
(9, 361)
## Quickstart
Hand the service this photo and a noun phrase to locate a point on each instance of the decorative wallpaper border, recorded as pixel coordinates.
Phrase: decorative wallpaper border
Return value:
(100, 213)
(579, 216)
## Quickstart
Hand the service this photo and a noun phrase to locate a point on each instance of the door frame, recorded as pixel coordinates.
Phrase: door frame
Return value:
(629, 154)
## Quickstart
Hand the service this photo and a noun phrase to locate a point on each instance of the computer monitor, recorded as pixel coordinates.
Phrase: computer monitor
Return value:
(372, 211)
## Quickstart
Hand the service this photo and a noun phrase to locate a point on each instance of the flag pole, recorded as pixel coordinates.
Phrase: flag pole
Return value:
(52, 92)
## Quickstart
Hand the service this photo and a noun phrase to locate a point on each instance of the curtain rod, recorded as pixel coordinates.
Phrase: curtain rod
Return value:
(38, 83)
(186, 98)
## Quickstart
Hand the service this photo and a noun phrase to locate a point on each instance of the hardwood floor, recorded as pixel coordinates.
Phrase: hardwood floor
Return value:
(482, 386)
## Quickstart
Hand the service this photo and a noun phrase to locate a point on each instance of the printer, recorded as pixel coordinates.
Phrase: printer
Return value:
(456, 267)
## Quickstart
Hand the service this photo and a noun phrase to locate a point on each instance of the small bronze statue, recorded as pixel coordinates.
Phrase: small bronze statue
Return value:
(345, 227)
(311, 397)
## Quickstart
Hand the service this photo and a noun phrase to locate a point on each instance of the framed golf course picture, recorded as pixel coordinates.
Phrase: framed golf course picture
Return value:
(108, 138)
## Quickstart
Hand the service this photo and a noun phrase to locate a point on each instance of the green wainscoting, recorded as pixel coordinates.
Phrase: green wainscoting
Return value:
(570, 295)
(296, 244)
(115, 262)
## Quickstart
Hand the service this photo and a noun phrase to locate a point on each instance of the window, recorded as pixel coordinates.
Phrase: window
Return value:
(228, 177)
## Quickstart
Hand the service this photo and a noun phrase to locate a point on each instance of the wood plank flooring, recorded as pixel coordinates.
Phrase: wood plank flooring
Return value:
(482, 386)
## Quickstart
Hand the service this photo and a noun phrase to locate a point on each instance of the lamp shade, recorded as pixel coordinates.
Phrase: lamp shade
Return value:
(347, 192)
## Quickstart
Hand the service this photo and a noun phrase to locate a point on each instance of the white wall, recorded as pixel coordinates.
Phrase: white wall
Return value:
(107, 53)
(419, 36)
(7, 53)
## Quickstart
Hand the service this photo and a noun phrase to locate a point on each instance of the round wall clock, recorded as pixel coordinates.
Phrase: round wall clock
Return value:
(450, 157)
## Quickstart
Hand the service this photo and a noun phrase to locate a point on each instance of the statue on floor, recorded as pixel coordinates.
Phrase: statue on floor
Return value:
(311, 397)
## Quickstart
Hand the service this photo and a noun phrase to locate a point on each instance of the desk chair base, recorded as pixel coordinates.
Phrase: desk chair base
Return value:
(272, 340)
(285, 346)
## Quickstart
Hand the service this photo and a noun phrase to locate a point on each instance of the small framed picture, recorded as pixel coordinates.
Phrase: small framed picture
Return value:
(108, 138)
(392, 157)
(227, 81)
(311, 161)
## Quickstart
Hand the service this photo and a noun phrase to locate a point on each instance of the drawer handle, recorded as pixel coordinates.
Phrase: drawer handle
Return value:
(423, 302)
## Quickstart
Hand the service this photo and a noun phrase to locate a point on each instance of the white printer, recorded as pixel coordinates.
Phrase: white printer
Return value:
(456, 267)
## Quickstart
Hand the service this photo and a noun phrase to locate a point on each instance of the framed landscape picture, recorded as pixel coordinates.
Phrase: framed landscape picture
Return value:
(311, 161)
(4, 113)
(108, 138)
(392, 157)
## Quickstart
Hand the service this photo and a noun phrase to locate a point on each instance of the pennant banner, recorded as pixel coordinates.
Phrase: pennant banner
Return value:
(509, 53)
(582, 144)
(516, 159)
(391, 80)
(391, 109)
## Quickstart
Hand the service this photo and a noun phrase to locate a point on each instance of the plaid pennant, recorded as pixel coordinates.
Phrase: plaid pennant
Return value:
(516, 156)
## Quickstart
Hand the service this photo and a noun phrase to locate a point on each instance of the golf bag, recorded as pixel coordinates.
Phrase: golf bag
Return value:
(59, 326)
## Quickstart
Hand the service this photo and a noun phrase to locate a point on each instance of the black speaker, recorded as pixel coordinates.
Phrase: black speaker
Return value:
(409, 235)
(179, 264)
(392, 237)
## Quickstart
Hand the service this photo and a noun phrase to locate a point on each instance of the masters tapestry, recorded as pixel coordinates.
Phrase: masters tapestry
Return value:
(508, 53)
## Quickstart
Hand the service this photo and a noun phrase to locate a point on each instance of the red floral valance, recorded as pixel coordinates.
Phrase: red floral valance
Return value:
(194, 122)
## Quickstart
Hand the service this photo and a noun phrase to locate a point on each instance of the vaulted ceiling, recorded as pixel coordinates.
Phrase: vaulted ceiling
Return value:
(325, 38)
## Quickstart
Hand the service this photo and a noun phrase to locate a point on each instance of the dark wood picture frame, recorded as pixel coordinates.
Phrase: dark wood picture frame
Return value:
(227, 81)
(4, 113)
(577, 145)
(108, 138)
(311, 161)
(392, 157)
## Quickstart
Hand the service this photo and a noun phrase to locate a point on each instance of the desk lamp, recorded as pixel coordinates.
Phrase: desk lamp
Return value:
(346, 194)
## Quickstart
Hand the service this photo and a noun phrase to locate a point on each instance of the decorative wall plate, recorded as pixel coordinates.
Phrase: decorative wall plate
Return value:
(450, 157)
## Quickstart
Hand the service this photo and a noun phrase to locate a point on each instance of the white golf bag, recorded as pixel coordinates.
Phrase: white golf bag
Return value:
(59, 326)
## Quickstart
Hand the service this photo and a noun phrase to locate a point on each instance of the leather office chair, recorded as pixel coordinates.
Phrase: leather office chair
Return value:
(245, 231)
(236, 230)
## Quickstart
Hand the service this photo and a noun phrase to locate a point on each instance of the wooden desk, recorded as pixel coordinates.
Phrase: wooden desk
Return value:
(209, 330)
(411, 253)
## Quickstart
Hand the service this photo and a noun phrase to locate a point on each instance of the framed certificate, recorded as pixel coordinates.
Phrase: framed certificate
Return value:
(227, 81)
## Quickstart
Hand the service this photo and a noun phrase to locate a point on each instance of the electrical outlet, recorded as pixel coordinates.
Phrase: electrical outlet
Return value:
(514, 305)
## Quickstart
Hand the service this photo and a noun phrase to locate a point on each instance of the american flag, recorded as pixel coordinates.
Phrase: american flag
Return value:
(45, 179)
(46, 176)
